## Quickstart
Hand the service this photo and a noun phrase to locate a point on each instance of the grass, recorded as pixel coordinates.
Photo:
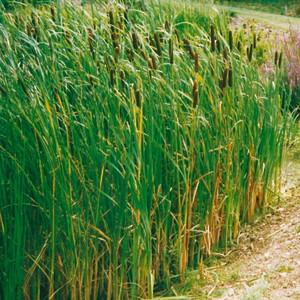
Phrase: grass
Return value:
(287, 8)
(128, 150)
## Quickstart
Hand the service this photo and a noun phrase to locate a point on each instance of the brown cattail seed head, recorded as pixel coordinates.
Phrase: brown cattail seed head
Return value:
(254, 40)
(195, 86)
(171, 51)
(225, 77)
(114, 39)
(224, 54)
(28, 30)
(138, 98)
(221, 85)
(250, 52)
(122, 76)
(276, 57)
(280, 60)
(167, 26)
(157, 41)
(111, 77)
(117, 52)
(111, 21)
(52, 14)
(153, 62)
(195, 98)
(144, 55)
(212, 38)
(230, 77)
(150, 63)
(134, 41)
(188, 47)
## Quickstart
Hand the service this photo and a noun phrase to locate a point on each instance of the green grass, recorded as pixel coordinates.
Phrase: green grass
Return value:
(287, 8)
(119, 172)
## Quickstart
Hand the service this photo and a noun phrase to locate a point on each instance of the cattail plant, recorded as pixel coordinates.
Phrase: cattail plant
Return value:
(122, 76)
(150, 64)
(188, 47)
(224, 54)
(138, 97)
(135, 41)
(276, 58)
(117, 53)
(144, 55)
(280, 60)
(167, 26)
(120, 150)
(250, 52)
(112, 77)
(212, 38)
(111, 21)
(171, 54)
(154, 65)
(195, 94)
(230, 80)
(157, 41)
(225, 77)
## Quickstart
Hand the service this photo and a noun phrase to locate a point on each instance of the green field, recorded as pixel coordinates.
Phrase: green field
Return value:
(134, 141)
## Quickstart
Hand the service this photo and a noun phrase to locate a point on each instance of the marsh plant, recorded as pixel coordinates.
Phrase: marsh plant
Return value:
(129, 149)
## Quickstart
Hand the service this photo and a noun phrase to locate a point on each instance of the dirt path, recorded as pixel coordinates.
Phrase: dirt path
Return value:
(266, 19)
(267, 263)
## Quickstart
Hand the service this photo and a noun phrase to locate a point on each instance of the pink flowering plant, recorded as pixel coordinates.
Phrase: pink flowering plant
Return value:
(291, 49)
(289, 66)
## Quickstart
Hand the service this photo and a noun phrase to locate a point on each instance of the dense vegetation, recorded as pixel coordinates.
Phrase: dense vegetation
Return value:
(132, 144)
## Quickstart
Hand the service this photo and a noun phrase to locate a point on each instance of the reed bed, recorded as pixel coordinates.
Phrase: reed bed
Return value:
(129, 148)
